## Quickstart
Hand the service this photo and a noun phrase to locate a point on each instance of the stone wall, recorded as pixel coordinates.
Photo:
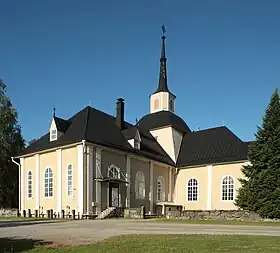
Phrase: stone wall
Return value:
(8, 212)
(216, 215)
(134, 213)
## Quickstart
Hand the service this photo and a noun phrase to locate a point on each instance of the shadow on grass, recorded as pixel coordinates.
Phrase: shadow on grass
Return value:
(13, 245)
(16, 223)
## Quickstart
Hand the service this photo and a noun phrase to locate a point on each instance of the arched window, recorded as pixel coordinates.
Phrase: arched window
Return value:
(70, 180)
(29, 184)
(156, 104)
(192, 190)
(227, 188)
(48, 182)
(114, 172)
(140, 185)
(160, 189)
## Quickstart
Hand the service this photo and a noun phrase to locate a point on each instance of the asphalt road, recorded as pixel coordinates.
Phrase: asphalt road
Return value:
(86, 231)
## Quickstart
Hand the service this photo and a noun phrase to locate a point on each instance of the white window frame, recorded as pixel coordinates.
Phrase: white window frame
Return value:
(192, 187)
(161, 179)
(110, 170)
(48, 197)
(67, 180)
(227, 190)
(28, 183)
(140, 180)
(53, 135)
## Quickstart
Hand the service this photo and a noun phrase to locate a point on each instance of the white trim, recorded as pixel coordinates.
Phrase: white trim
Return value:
(27, 185)
(221, 188)
(209, 187)
(187, 190)
(80, 179)
(151, 188)
(37, 157)
(89, 179)
(48, 167)
(98, 174)
(128, 176)
(59, 180)
(22, 184)
(49, 150)
(72, 195)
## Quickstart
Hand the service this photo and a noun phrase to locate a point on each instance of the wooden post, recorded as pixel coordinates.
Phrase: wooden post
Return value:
(73, 214)
(48, 214)
(29, 213)
(63, 214)
(24, 213)
(36, 213)
(51, 213)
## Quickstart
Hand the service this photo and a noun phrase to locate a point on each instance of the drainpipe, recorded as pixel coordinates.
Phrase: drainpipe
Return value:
(19, 195)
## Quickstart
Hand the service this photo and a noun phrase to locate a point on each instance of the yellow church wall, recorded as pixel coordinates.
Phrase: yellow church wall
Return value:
(48, 160)
(185, 174)
(30, 165)
(138, 165)
(218, 172)
(164, 172)
(69, 156)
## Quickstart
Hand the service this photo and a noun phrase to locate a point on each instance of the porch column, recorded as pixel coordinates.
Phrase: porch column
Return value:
(128, 186)
(90, 157)
(21, 185)
(151, 188)
(98, 175)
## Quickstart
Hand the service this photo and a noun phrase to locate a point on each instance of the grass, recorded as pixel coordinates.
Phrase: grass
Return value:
(218, 222)
(170, 243)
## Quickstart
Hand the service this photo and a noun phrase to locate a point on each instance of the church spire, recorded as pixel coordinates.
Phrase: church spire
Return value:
(162, 85)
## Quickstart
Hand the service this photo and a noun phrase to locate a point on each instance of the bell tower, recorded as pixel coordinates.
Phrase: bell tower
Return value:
(162, 99)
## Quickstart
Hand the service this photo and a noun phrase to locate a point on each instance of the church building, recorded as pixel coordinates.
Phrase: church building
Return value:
(94, 161)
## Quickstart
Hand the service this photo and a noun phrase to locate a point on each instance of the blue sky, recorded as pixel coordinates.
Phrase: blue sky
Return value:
(223, 58)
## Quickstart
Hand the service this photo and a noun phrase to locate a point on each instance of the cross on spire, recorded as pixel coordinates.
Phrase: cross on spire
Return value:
(54, 111)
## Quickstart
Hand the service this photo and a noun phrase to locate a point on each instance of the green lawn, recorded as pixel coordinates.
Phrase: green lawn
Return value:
(218, 222)
(167, 243)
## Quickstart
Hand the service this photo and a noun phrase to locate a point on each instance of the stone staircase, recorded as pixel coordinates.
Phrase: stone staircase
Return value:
(110, 212)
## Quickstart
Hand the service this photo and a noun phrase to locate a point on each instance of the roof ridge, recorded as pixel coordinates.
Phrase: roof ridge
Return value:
(86, 125)
(211, 128)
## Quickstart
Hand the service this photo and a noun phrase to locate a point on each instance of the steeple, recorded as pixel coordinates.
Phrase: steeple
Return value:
(162, 99)
(162, 85)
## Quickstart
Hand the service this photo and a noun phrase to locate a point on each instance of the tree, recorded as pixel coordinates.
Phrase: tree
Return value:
(260, 191)
(11, 142)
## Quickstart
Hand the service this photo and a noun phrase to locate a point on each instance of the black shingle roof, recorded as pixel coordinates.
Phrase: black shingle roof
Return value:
(98, 127)
(61, 124)
(213, 145)
(161, 119)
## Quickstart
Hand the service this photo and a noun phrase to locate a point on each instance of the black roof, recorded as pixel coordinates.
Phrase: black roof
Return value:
(130, 133)
(61, 124)
(98, 127)
(215, 145)
(161, 119)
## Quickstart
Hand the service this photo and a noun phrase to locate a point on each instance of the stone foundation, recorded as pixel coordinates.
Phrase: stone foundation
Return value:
(134, 213)
(216, 215)
(9, 212)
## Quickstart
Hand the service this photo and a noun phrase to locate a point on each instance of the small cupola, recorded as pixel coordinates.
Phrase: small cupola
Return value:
(58, 127)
